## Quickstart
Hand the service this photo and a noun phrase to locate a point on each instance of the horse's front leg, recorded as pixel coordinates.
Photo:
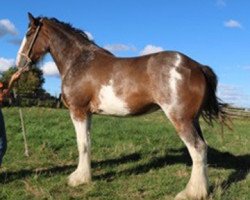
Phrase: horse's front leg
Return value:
(83, 172)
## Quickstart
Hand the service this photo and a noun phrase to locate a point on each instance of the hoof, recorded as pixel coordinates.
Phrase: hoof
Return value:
(186, 195)
(181, 196)
(78, 178)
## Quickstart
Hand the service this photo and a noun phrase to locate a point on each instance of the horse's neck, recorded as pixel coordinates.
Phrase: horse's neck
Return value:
(62, 52)
(66, 50)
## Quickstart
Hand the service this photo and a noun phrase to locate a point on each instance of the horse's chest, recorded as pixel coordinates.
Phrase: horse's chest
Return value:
(110, 103)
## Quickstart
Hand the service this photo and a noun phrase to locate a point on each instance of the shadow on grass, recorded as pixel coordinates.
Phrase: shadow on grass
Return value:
(216, 159)
(9, 176)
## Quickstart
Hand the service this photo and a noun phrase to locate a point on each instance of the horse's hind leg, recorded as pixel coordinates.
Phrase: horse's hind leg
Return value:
(197, 187)
(190, 133)
(83, 172)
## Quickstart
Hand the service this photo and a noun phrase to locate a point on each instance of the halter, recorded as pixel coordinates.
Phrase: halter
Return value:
(27, 55)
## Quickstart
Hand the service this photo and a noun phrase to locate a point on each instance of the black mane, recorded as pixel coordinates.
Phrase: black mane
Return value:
(77, 31)
(70, 27)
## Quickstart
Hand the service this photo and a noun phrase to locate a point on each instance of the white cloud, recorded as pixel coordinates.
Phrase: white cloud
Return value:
(119, 47)
(90, 36)
(50, 69)
(232, 24)
(233, 95)
(151, 49)
(15, 41)
(5, 64)
(7, 27)
(221, 3)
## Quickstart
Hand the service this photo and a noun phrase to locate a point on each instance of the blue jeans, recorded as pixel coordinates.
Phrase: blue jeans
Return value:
(3, 141)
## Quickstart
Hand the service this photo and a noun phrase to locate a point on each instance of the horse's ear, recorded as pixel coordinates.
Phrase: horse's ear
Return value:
(31, 18)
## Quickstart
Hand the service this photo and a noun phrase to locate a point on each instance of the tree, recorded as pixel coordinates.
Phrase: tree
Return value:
(29, 89)
(30, 84)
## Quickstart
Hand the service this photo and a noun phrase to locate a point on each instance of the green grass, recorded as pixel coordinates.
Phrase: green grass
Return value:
(132, 158)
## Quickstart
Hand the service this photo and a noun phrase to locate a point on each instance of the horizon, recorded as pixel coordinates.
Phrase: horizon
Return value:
(214, 33)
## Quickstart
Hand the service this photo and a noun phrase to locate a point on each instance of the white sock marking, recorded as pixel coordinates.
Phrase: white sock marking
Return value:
(198, 183)
(83, 143)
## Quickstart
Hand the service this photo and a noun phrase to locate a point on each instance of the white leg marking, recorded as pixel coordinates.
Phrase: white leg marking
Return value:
(18, 58)
(83, 172)
(110, 103)
(197, 187)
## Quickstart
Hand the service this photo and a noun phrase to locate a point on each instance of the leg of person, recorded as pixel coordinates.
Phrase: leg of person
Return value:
(3, 140)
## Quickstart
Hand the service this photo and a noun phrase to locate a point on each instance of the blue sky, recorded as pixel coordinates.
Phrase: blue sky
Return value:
(213, 32)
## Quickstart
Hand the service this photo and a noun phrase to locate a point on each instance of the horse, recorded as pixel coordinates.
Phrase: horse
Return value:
(94, 81)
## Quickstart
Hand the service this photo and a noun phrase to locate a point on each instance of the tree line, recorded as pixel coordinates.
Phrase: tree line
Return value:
(28, 90)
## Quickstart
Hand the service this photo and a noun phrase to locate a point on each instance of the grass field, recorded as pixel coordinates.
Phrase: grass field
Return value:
(132, 158)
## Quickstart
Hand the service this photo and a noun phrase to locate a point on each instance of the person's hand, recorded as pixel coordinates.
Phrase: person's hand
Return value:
(3, 92)
(1, 97)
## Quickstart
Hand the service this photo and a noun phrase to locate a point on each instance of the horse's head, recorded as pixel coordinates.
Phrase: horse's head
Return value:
(35, 43)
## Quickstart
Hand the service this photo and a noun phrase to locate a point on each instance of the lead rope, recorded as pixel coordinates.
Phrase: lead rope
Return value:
(26, 149)
(17, 75)
(13, 79)
(27, 57)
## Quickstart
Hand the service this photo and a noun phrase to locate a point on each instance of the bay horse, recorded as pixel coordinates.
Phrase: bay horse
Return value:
(94, 81)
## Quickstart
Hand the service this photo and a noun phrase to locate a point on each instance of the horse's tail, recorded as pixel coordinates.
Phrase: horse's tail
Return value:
(213, 108)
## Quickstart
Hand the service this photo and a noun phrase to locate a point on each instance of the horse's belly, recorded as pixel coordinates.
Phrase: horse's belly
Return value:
(110, 103)
(113, 108)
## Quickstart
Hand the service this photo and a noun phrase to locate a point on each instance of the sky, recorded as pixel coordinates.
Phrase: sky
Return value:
(213, 32)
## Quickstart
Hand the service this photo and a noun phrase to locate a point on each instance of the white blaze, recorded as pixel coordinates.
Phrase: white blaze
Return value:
(18, 59)
(110, 103)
